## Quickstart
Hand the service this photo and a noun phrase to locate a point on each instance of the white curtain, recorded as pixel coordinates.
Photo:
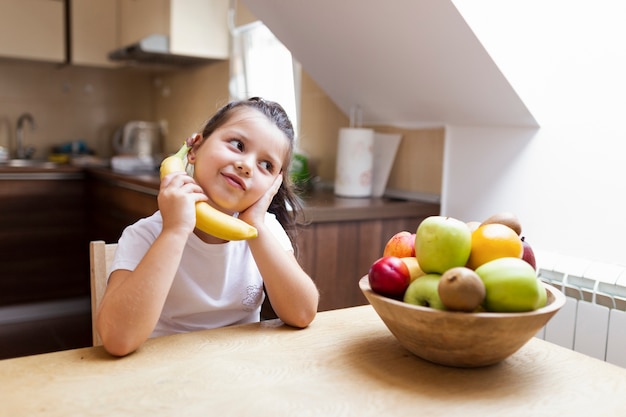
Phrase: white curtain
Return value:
(261, 66)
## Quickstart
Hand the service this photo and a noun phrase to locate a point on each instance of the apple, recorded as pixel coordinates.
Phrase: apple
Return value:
(528, 254)
(414, 267)
(402, 245)
(442, 243)
(510, 284)
(423, 292)
(543, 294)
(389, 276)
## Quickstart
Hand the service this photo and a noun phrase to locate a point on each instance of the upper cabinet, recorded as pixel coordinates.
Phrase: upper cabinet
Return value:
(93, 32)
(192, 28)
(33, 30)
(141, 18)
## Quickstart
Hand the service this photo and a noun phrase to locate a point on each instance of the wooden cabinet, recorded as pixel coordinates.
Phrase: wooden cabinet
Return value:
(43, 248)
(141, 18)
(114, 204)
(33, 29)
(196, 28)
(337, 254)
(36, 29)
(93, 32)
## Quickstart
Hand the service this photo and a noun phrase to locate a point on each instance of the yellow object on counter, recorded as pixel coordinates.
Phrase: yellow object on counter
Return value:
(59, 158)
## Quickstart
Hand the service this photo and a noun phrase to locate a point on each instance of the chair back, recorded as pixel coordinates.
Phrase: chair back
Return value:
(100, 258)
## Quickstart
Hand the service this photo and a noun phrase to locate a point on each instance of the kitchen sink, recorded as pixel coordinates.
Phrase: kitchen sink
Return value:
(29, 163)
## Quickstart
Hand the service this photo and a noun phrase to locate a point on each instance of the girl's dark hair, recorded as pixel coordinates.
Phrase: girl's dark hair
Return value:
(286, 205)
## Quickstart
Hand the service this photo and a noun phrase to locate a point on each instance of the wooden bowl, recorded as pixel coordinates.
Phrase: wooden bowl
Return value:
(465, 340)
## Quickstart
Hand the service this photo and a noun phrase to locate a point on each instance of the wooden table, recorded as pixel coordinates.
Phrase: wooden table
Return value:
(346, 363)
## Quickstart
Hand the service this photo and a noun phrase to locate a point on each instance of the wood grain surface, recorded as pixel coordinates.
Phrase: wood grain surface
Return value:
(345, 364)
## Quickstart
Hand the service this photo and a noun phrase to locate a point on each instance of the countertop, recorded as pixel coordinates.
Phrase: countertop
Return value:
(319, 206)
(347, 363)
(60, 171)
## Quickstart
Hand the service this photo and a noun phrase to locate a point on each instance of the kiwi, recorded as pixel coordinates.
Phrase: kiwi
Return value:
(461, 289)
(506, 218)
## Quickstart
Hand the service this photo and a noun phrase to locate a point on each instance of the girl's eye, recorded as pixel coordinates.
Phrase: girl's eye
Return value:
(266, 165)
(237, 144)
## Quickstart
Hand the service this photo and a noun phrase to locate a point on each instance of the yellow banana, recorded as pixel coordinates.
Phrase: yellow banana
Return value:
(208, 219)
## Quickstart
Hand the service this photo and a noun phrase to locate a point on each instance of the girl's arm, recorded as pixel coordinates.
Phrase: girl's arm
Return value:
(133, 300)
(292, 293)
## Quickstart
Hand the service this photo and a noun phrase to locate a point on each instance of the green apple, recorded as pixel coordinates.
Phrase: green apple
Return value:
(442, 243)
(543, 295)
(511, 285)
(423, 292)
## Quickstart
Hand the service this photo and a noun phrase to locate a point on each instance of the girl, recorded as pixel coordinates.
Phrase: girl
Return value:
(169, 277)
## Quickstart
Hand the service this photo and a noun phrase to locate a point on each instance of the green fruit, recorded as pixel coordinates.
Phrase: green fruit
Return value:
(423, 292)
(543, 295)
(511, 285)
(442, 243)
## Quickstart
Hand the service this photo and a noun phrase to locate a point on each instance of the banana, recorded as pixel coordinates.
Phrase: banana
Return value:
(208, 219)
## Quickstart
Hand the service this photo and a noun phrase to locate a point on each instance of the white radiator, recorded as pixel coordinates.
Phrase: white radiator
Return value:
(593, 319)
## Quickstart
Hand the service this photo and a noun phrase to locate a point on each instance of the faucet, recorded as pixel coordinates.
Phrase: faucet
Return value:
(21, 152)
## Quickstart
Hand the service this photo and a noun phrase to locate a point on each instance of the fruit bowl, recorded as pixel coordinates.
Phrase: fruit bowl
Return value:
(465, 340)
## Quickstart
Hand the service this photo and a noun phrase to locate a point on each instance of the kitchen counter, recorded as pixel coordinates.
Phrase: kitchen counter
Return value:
(51, 172)
(346, 363)
(319, 206)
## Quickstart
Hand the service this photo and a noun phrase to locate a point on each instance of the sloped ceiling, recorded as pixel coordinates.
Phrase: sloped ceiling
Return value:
(403, 62)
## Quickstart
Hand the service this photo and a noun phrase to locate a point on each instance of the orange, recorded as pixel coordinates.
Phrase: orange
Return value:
(493, 241)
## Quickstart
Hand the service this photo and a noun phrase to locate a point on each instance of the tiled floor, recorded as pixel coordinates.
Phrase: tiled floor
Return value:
(45, 335)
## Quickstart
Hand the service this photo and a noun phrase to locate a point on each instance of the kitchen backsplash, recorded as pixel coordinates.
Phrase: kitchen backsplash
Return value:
(71, 103)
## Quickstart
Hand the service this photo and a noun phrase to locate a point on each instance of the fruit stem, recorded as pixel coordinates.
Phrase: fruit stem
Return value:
(182, 152)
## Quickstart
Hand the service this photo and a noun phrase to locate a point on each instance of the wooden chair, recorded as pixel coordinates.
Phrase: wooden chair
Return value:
(100, 258)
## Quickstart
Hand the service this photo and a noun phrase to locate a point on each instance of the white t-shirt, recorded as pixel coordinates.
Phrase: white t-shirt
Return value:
(216, 285)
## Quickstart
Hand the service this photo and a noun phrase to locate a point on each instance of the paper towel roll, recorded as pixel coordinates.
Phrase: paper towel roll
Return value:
(355, 160)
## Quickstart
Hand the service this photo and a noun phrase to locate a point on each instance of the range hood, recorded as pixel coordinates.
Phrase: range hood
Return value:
(155, 49)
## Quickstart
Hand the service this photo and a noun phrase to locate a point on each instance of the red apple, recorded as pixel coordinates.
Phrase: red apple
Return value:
(400, 245)
(528, 255)
(389, 276)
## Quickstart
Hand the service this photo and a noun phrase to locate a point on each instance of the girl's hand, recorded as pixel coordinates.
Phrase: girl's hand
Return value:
(178, 195)
(255, 214)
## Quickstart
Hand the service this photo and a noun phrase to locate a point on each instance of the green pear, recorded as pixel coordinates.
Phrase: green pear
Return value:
(511, 285)
(442, 243)
(424, 292)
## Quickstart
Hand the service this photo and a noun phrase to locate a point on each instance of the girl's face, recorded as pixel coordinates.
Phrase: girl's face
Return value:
(239, 162)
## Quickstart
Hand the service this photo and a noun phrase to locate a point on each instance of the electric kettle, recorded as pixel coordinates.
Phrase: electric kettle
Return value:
(138, 138)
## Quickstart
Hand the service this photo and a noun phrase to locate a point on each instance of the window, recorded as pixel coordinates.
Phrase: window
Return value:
(262, 66)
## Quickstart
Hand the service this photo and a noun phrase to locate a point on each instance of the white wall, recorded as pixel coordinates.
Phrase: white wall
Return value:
(566, 180)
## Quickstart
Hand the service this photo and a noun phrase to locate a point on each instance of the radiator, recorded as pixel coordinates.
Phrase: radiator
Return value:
(593, 319)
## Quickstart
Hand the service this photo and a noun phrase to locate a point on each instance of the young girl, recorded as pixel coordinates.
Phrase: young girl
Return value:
(169, 277)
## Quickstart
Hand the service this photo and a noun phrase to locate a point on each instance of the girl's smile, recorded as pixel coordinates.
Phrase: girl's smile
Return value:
(236, 181)
(239, 161)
